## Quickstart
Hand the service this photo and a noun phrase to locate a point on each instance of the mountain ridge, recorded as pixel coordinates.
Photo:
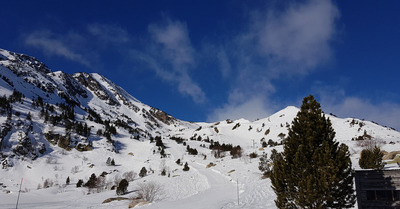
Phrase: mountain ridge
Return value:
(92, 94)
(54, 125)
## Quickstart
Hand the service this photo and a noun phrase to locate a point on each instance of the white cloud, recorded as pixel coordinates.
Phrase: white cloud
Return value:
(172, 47)
(252, 109)
(52, 44)
(109, 33)
(384, 113)
(334, 99)
(279, 43)
(224, 64)
(175, 42)
(299, 36)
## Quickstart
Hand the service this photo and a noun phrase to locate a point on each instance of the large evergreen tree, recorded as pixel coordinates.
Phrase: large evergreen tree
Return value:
(313, 171)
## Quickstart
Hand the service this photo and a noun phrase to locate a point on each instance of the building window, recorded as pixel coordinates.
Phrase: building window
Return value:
(371, 195)
(384, 195)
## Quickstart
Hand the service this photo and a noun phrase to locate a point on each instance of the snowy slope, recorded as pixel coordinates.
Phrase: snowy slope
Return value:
(49, 147)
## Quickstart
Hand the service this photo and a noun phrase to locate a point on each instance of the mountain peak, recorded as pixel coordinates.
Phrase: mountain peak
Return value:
(55, 125)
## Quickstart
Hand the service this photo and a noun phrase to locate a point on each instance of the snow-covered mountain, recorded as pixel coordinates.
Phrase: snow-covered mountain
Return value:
(54, 125)
(48, 97)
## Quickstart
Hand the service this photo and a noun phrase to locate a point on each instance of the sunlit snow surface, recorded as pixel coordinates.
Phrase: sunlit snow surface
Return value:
(231, 183)
(201, 187)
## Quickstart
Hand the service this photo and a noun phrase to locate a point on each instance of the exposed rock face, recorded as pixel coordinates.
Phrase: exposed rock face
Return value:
(72, 85)
(57, 100)
(162, 116)
(92, 84)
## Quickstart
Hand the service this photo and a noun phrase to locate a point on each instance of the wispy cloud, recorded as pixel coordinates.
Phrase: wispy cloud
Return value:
(279, 43)
(298, 37)
(334, 99)
(384, 113)
(182, 80)
(172, 47)
(108, 33)
(173, 38)
(224, 63)
(254, 108)
(60, 45)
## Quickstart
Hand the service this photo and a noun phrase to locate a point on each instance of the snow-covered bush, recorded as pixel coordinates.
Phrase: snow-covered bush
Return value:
(265, 165)
(50, 160)
(47, 183)
(236, 152)
(130, 175)
(75, 169)
(149, 191)
(253, 155)
(117, 179)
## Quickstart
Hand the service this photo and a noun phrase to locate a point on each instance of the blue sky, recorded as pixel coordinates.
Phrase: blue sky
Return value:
(212, 60)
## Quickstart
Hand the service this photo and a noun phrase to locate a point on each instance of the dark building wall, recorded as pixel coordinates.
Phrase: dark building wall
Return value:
(378, 189)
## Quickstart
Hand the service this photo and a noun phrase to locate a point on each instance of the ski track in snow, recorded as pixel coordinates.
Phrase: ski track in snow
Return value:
(221, 193)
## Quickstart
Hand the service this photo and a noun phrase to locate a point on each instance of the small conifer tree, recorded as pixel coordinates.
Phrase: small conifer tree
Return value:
(91, 183)
(163, 172)
(122, 187)
(159, 142)
(67, 181)
(79, 183)
(143, 172)
(313, 171)
(186, 167)
(371, 159)
(162, 153)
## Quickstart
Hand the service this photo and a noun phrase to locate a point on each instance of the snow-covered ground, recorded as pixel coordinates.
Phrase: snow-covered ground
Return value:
(219, 186)
(230, 183)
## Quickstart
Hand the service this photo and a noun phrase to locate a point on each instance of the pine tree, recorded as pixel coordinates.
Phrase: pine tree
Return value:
(186, 167)
(80, 182)
(29, 116)
(143, 172)
(67, 181)
(162, 153)
(371, 159)
(113, 162)
(313, 171)
(122, 187)
(159, 142)
(163, 172)
(91, 183)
